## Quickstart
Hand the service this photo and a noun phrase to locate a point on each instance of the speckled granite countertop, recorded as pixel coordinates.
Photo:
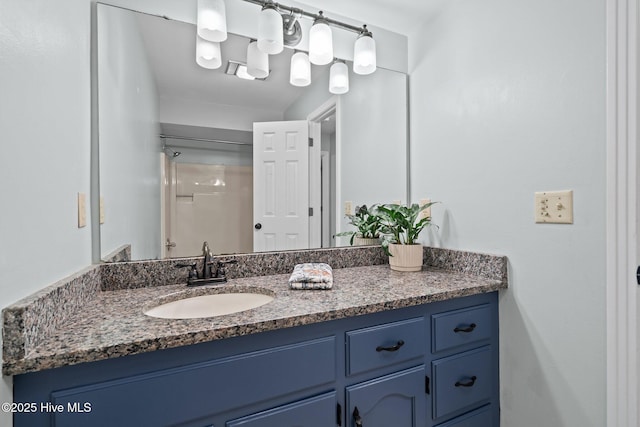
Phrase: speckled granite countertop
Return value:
(112, 323)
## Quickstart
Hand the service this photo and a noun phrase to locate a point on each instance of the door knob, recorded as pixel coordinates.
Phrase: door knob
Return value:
(258, 226)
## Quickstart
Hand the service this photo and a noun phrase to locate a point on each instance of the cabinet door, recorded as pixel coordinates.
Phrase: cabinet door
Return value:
(318, 411)
(397, 400)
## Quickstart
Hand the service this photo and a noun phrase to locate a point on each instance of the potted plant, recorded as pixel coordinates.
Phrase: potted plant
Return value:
(367, 224)
(401, 226)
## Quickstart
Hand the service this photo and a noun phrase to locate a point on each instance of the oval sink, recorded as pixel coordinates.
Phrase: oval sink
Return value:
(209, 305)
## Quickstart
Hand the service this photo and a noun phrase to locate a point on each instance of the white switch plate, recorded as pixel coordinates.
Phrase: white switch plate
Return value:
(101, 210)
(82, 210)
(396, 202)
(554, 207)
(427, 212)
(348, 208)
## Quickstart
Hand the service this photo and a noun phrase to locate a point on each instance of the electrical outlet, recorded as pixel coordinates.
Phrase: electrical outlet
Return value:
(554, 207)
(348, 208)
(101, 210)
(82, 210)
(396, 202)
(427, 212)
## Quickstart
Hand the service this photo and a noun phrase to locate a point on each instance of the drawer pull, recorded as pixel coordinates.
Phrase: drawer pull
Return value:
(392, 348)
(356, 417)
(467, 384)
(469, 328)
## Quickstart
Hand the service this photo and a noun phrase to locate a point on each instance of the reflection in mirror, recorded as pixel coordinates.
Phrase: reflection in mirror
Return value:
(189, 154)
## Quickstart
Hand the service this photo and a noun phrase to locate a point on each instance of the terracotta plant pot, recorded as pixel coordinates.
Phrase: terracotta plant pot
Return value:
(405, 257)
(361, 241)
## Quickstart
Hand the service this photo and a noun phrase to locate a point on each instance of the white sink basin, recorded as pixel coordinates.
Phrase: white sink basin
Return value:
(209, 305)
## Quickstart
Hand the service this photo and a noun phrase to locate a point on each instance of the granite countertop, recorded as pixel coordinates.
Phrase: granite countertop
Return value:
(112, 324)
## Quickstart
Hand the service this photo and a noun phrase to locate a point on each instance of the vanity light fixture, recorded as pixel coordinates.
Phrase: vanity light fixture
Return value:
(212, 20)
(300, 74)
(257, 61)
(239, 69)
(279, 26)
(320, 41)
(270, 30)
(339, 77)
(364, 53)
(208, 53)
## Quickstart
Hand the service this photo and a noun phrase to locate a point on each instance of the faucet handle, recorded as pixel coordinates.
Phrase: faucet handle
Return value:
(220, 272)
(193, 272)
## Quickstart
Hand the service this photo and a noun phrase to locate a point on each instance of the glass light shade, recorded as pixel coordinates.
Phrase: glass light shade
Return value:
(320, 44)
(300, 70)
(208, 54)
(364, 55)
(339, 78)
(212, 20)
(270, 32)
(257, 61)
(242, 73)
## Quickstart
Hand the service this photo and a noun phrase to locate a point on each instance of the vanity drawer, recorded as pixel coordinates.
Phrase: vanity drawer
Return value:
(462, 381)
(482, 417)
(460, 327)
(202, 389)
(384, 345)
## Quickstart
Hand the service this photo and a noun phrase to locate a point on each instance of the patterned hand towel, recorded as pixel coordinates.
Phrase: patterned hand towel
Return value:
(311, 275)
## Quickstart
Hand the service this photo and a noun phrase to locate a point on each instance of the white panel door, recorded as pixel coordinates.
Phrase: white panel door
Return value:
(280, 185)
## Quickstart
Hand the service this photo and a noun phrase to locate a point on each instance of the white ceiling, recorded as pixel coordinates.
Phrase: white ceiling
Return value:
(400, 16)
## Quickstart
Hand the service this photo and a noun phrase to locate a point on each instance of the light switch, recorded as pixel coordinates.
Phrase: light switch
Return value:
(101, 210)
(427, 212)
(82, 210)
(554, 207)
(396, 202)
(348, 208)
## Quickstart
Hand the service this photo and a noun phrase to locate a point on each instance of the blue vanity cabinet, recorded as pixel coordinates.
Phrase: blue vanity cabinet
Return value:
(317, 411)
(392, 368)
(397, 400)
(464, 367)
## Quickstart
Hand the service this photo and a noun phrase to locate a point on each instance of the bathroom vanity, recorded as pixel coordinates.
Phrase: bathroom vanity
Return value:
(381, 348)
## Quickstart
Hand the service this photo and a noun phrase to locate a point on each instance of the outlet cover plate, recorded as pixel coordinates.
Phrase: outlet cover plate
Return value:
(427, 212)
(82, 210)
(554, 207)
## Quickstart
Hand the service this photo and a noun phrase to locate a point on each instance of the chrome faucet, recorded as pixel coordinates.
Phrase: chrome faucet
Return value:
(212, 272)
(206, 267)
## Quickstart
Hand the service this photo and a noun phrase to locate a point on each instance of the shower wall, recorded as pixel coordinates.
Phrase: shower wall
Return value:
(212, 203)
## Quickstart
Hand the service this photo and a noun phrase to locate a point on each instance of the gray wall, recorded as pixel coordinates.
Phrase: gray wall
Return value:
(508, 98)
(130, 145)
(45, 123)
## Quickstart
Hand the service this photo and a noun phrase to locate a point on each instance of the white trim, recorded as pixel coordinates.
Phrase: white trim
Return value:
(315, 190)
(330, 106)
(163, 203)
(621, 258)
(325, 162)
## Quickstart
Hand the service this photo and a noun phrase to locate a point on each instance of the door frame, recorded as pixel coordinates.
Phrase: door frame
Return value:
(329, 107)
(622, 213)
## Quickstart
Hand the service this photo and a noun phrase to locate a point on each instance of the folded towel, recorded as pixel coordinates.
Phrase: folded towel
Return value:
(311, 275)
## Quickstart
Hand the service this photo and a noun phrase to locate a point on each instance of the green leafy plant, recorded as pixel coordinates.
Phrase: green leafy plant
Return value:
(401, 224)
(366, 221)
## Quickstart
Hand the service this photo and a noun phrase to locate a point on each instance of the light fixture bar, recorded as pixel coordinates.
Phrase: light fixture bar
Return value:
(313, 16)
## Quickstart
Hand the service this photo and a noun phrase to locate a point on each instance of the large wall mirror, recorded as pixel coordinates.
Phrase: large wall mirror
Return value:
(184, 151)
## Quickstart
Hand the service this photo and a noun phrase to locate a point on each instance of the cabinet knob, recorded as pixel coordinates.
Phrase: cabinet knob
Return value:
(258, 226)
(356, 417)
